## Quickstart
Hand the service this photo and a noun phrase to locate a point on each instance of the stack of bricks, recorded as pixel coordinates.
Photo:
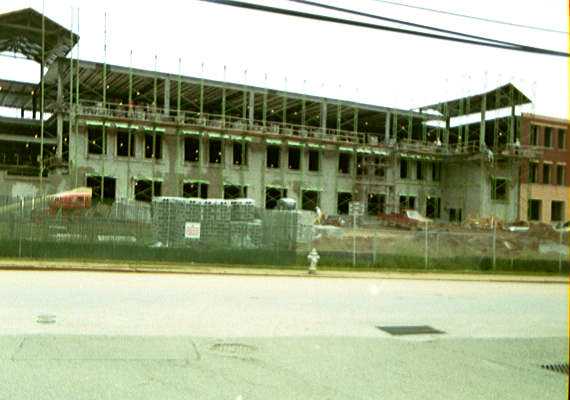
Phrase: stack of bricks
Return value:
(223, 223)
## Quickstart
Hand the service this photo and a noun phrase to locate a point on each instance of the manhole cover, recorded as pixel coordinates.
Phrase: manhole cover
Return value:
(234, 349)
(561, 368)
(410, 330)
(45, 319)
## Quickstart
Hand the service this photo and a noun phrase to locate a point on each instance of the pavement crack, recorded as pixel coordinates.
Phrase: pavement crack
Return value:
(18, 349)
(198, 355)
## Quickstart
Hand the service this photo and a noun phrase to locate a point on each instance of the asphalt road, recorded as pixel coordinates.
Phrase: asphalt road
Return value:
(101, 335)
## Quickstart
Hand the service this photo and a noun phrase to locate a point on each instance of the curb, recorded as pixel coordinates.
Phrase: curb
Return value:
(266, 272)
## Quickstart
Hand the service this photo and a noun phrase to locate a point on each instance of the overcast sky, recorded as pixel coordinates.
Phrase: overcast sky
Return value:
(322, 58)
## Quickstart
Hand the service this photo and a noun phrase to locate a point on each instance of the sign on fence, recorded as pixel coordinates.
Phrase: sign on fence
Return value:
(356, 208)
(192, 230)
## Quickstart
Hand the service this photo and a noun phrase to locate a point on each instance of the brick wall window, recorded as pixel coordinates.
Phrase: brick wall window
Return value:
(546, 173)
(557, 211)
(562, 139)
(533, 140)
(534, 210)
(560, 174)
(532, 172)
(547, 137)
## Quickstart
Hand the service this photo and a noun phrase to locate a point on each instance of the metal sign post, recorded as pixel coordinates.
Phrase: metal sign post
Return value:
(355, 209)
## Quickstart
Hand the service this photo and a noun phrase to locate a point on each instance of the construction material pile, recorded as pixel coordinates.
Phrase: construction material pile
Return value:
(184, 222)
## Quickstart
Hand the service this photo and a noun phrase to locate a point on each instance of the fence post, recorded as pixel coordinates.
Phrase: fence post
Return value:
(494, 244)
(426, 248)
(354, 239)
(374, 239)
(168, 227)
(560, 251)
(20, 227)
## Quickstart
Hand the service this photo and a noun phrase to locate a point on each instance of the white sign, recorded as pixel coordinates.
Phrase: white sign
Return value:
(355, 208)
(192, 230)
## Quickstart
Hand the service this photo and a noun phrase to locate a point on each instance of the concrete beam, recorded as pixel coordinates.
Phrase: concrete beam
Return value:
(7, 137)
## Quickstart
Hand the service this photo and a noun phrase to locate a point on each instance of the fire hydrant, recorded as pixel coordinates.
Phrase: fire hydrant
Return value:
(313, 260)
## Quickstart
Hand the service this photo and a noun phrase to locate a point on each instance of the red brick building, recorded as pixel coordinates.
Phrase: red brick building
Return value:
(545, 183)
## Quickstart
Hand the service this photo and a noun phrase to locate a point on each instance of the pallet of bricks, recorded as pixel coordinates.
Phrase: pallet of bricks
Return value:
(222, 223)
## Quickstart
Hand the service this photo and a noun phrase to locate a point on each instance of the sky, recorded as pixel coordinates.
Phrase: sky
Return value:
(321, 58)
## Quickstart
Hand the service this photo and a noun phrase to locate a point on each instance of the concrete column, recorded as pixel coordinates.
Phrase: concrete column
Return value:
(166, 96)
(446, 132)
(387, 129)
(512, 126)
(482, 125)
(59, 148)
(324, 116)
(251, 109)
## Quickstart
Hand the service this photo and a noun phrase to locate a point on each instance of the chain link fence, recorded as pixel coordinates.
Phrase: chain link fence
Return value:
(237, 232)
(373, 244)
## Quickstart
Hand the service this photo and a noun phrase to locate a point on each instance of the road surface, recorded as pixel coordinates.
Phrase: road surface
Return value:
(88, 335)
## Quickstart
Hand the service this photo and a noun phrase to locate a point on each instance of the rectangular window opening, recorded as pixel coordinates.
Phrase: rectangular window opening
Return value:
(499, 189)
(419, 170)
(294, 158)
(272, 197)
(103, 188)
(546, 170)
(557, 211)
(144, 190)
(433, 207)
(562, 139)
(560, 174)
(239, 153)
(123, 144)
(198, 190)
(436, 171)
(215, 151)
(344, 163)
(532, 172)
(273, 156)
(153, 146)
(191, 149)
(407, 203)
(343, 200)
(235, 192)
(310, 200)
(314, 160)
(534, 210)
(95, 140)
(534, 135)
(376, 204)
(547, 137)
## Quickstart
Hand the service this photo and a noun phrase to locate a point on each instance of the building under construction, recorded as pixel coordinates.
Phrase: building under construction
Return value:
(137, 134)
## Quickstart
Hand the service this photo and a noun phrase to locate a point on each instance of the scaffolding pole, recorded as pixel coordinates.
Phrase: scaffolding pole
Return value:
(42, 188)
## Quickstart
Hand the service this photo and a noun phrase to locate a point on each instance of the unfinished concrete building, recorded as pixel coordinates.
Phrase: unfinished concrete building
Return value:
(134, 134)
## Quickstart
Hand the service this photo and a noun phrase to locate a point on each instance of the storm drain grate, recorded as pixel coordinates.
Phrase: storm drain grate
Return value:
(561, 368)
(45, 319)
(410, 330)
(236, 349)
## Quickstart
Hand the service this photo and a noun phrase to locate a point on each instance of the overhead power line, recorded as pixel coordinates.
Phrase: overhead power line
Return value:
(402, 22)
(325, 18)
(493, 21)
